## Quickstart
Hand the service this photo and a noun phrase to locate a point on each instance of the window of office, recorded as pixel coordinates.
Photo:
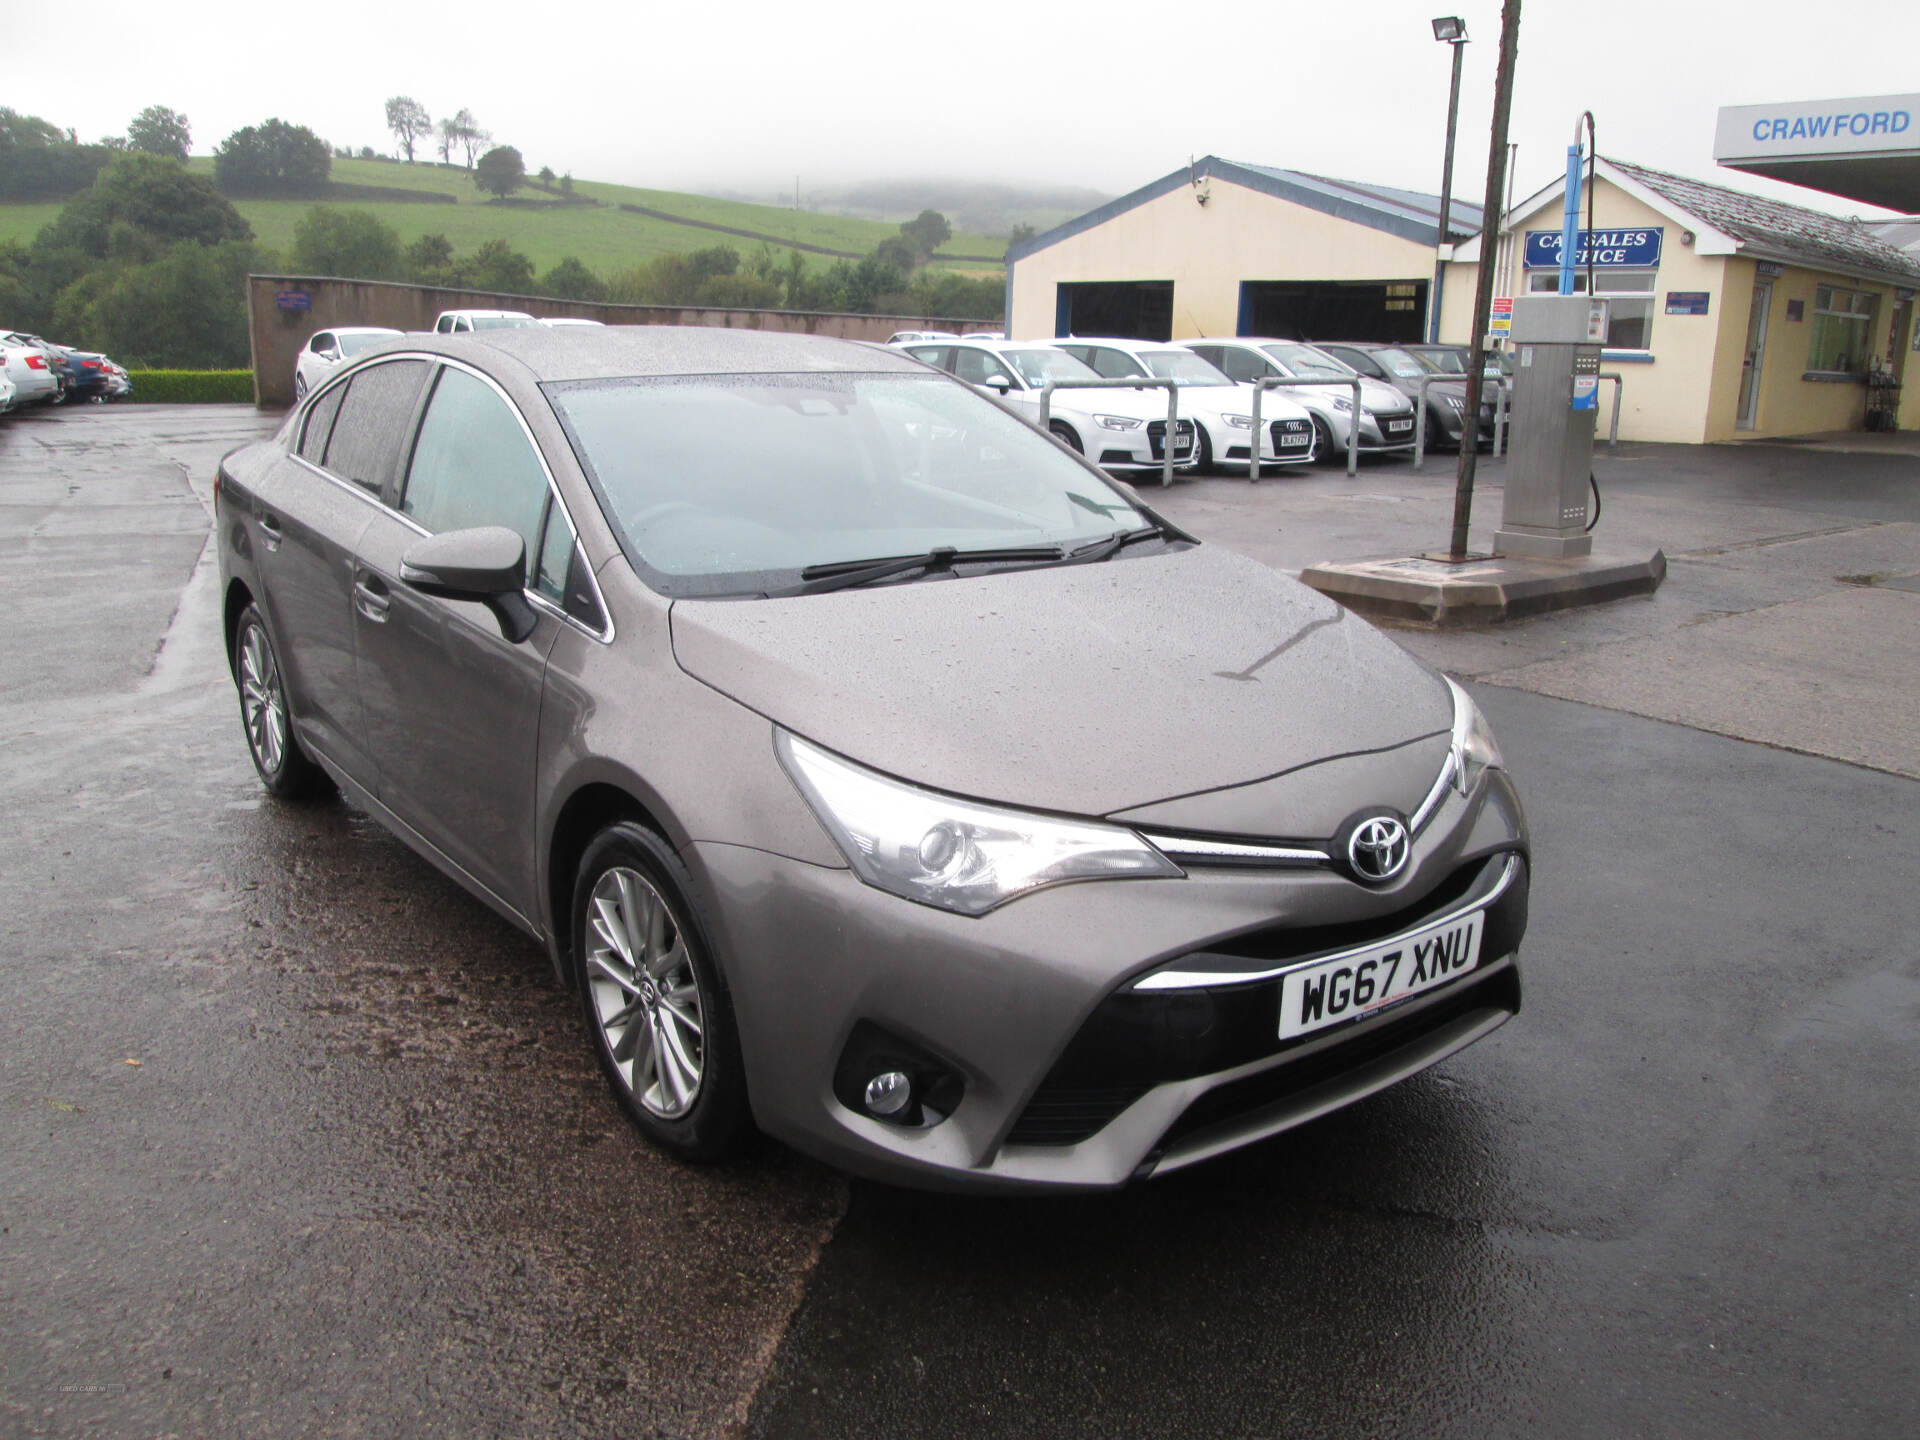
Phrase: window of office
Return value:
(1629, 297)
(1842, 327)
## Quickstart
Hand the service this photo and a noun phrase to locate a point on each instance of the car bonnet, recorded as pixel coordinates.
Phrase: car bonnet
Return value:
(1086, 689)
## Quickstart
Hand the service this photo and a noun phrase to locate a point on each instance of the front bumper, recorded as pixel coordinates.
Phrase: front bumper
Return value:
(1142, 449)
(1004, 1006)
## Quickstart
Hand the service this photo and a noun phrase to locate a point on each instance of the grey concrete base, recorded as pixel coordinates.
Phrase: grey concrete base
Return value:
(1484, 590)
(1550, 545)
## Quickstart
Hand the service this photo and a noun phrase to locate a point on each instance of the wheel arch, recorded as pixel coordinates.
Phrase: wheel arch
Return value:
(589, 809)
(238, 597)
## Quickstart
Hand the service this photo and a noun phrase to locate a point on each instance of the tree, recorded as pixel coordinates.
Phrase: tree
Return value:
(500, 171)
(566, 184)
(39, 161)
(149, 195)
(927, 233)
(467, 133)
(351, 244)
(186, 308)
(546, 177)
(897, 253)
(160, 131)
(407, 118)
(572, 280)
(496, 265)
(1019, 235)
(429, 261)
(449, 138)
(272, 158)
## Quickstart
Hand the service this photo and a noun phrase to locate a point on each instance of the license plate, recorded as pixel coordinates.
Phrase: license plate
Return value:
(1398, 425)
(1286, 440)
(1365, 981)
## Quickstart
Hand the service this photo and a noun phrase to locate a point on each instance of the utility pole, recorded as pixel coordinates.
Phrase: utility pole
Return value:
(1446, 184)
(1490, 218)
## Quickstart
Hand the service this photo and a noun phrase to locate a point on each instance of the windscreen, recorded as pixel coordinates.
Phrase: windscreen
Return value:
(1400, 363)
(1183, 367)
(354, 344)
(1306, 363)
(503, 322)
(1037, 367)
(733, 484)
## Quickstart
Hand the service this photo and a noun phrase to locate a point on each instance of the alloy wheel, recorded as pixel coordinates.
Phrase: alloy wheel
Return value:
(646, 999)
(264, 702)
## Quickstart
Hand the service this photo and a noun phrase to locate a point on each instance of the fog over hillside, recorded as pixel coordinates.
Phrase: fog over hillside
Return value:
(978, 206)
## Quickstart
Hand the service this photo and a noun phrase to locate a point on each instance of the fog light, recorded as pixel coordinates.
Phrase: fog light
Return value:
(889, 1092)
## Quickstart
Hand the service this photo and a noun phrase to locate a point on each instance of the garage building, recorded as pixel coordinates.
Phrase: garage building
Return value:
(1222, 248)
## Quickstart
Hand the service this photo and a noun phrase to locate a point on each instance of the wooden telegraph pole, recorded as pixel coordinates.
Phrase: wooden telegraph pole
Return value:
(1490, 219)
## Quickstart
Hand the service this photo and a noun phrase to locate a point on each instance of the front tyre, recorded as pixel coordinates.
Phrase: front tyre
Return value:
(282, 765)
(1064, 433)
(661, 1018)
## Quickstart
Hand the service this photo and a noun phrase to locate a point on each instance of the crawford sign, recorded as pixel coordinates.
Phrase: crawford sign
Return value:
(1874, 124)
(1615, 249)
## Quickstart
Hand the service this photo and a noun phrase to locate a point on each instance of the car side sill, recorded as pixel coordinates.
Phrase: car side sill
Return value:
(422, 846)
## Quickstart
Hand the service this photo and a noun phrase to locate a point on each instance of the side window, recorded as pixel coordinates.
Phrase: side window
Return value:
(938, 356)
(1240, 366)
(976, 367)
(1361, 361)
(1115, 364)
(556, 555)
(373, 416)
(313, 440)
(443, 325)
(461, 323)
(473, 465)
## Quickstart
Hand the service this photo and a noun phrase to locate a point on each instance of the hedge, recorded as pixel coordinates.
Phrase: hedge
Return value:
(187, 387)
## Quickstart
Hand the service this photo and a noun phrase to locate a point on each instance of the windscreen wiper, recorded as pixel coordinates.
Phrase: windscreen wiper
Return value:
(1106, 549)
(845, 574)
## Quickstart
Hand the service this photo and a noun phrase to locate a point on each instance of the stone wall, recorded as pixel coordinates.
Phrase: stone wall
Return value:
(276, 335)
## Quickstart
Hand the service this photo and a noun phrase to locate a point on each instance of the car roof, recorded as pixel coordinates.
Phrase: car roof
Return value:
(363, 330)
(621, 351)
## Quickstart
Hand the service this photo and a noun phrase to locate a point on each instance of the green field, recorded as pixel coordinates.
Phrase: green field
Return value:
(604, 237)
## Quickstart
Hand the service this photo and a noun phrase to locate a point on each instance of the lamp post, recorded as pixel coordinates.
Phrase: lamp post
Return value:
(1452, 30)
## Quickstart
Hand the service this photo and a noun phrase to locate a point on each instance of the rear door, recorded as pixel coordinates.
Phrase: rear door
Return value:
(453, 707)
(308, 513)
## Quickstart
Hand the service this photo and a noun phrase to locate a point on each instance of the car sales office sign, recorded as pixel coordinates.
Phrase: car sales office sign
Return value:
(1604, 249)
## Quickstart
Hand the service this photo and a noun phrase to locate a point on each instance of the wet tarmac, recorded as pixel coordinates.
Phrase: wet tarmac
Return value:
(296, 1139)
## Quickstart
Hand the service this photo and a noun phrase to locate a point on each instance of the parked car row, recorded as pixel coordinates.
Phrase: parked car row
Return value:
(34, 371)
(327, 350)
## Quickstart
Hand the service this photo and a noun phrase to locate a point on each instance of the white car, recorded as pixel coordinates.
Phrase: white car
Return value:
(914, 337)
(332, 348)
(1386, 420)
(6, 393)
(462, 322)
(1116, 429)
(561, 322)
(35, 377)
(1220, 407)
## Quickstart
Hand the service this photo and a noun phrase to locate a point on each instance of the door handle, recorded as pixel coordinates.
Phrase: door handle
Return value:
(371, 597)
(270, 531)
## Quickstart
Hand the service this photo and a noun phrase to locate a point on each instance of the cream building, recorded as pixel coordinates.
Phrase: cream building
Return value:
(1729, 315)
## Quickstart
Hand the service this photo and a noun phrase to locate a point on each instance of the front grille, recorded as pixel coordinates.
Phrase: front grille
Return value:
(1499, 991)
(1157, 437)
(1136, 1039)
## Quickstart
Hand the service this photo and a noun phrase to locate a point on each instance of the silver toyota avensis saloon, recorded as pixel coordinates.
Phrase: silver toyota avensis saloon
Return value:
(878, 772)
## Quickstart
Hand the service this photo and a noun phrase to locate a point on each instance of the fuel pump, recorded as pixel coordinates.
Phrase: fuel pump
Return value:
(1555, 343)
(1556, 395)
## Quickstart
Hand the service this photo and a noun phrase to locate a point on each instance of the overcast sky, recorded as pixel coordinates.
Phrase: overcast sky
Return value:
(746, 95)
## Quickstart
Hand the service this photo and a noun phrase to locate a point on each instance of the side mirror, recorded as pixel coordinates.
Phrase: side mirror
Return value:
(1000, 383)
(487, 564)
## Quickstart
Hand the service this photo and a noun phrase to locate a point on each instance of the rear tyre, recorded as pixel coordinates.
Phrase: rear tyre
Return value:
(283, 766)
(1063, 432)
(660, 1015)
(299, 387)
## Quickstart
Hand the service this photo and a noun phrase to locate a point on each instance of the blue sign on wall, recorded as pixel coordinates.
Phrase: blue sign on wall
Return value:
(293, 300)
(1686, 302)
(1611, 249)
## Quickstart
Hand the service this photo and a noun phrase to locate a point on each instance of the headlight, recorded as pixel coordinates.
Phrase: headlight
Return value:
(951, 853)
(1454, 403)
(1473, 747)
(1239, 422)
(1118, 422)
(1341, 402)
